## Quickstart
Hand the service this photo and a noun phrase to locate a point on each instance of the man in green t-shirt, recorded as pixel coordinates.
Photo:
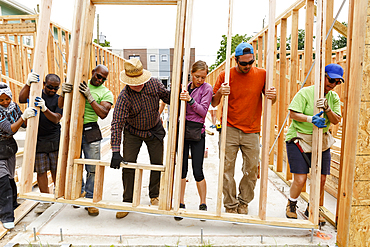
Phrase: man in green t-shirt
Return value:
(99, 101)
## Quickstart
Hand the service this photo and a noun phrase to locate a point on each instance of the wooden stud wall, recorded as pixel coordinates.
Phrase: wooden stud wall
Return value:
(70, 184)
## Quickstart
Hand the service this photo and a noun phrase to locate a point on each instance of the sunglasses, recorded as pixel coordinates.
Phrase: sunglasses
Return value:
(246, 63)
(101, 77)
(52, 88)
(333, 80)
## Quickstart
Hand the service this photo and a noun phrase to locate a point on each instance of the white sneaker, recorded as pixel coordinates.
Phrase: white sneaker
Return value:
(8, 225)
(42, 207)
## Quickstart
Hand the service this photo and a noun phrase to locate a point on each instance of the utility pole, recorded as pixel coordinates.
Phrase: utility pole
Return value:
(97, 29)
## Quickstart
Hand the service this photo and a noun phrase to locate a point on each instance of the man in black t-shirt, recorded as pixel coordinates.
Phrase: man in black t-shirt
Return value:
(48, 133)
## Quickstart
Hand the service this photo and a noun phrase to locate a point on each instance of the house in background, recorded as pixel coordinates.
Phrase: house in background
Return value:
(10, 7)
(158, 61)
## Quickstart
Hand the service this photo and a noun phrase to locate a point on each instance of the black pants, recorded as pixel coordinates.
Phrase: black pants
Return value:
(131, 148)
(8, 199)
(197, 157)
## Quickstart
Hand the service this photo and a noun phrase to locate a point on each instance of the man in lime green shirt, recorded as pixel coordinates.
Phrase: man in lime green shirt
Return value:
(99, 101)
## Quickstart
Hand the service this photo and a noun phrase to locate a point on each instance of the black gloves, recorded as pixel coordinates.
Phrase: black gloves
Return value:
(116, 160)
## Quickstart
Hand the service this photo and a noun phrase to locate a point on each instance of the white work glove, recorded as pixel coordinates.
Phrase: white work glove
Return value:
(32, 77)
(323, 103)
(40, 102)
(66, 88)
(28, 113)
(85, 90)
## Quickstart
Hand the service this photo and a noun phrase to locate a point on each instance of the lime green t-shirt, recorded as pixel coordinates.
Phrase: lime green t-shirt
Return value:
(100, 94)
(303, 102)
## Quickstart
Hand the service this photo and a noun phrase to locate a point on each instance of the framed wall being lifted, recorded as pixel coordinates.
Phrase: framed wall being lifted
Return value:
(70, 166)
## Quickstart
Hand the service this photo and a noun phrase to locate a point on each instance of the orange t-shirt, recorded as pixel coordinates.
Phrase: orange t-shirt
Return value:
(245, 99)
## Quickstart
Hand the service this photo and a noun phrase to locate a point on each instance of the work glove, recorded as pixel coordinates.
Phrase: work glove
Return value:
(317, 120)
(323, 103)
(32, 77)
(66, 88)
(40, 102)
(115, 163)
(85, 90)
(28, 113)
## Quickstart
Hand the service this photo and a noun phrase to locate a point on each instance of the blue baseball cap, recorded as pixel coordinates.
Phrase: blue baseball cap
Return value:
(334, 71)
(239, 49)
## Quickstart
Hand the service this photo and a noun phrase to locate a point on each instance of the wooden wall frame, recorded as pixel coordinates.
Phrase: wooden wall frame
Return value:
(70, 166)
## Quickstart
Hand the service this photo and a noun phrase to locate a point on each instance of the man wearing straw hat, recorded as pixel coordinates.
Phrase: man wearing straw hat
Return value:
(136, 114)
(245, 89)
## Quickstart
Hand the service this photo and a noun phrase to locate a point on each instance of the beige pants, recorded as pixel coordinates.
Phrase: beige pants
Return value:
(249, 146)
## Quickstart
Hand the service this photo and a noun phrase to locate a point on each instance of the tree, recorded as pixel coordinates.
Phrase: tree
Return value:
(340, 41)
(105, 44)
(221, 53)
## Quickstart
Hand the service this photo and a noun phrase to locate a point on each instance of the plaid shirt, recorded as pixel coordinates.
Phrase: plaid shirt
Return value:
(138, 112)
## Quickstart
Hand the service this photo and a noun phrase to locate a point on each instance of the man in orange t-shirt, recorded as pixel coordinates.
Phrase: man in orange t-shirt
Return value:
(245, 89)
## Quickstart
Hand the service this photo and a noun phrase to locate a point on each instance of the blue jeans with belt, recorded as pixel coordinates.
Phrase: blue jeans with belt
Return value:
(90, 151)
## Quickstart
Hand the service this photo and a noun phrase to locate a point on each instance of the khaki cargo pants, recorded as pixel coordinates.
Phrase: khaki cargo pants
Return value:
(249, 146)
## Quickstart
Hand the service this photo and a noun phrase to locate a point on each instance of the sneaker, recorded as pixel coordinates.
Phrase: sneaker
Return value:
(120, 215)
(8, 225)
(92, 211)
(180, 218)
(154, 201)
(231, 210)
(291, 209)
(322, 220)
(42, 207)
(203, 207)
(242, 209)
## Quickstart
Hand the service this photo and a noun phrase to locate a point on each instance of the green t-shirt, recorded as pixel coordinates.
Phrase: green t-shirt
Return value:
(100, 94)
(303, 102)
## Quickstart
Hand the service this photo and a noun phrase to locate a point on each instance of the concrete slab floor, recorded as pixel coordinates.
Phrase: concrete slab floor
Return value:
(138, 229)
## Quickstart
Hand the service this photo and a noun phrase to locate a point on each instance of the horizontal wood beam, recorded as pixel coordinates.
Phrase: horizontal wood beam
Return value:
(125, 206)
(128, 165)
(17, 28)
(18, 17)
(135, 2)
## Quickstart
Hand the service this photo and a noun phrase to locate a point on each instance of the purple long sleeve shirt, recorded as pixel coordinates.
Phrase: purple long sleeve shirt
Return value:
(202, 96)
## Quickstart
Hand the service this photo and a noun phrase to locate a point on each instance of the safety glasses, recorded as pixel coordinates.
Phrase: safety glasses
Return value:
(52, 88)
(333, 80)
(101, 77)
(246, 63)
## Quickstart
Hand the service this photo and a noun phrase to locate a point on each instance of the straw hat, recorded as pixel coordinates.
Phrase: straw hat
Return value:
(134, 74)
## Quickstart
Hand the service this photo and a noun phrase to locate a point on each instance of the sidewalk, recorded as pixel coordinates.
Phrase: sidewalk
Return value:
(138, 229)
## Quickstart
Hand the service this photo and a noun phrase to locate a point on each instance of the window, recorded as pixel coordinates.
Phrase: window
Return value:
(134, 56)
(164, 58)
(152, 58)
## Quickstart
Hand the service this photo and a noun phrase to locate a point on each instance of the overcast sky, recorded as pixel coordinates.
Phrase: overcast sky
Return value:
(154, 26)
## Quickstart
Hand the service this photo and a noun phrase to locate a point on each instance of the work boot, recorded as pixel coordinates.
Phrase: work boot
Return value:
(231, 210)
(291, 209)
(180, 218)
(242, 209)
(92, 211)
(154, 201)
(120, 215)
(42, 207)
(322, 220)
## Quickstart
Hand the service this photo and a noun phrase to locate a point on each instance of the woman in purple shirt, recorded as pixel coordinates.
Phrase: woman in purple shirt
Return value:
(198, 96)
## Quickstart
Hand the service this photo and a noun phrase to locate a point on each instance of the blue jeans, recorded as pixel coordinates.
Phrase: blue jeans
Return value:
(90, 151)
